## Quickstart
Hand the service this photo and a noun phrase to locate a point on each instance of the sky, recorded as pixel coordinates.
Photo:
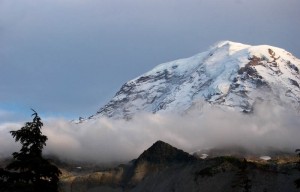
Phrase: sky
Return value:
(67, 58)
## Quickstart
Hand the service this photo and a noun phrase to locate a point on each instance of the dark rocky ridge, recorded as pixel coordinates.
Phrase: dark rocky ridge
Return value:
(163, 153)
(163, 168)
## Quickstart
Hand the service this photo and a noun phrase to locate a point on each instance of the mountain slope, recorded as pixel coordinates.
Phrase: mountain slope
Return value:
(166, 168)
(230, 75)
(163, 153)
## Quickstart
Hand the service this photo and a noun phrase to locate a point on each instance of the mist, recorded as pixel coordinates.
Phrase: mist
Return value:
(106, 140)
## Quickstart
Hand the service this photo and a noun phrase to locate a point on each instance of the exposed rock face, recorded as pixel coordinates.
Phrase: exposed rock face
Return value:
(159, 156)
(164, 168)
(229, 75)
(163, 153)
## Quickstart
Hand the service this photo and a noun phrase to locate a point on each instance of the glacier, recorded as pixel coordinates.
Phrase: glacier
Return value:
(230, 75)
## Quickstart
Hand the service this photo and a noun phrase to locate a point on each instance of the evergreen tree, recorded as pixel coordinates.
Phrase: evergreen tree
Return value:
(29, 171)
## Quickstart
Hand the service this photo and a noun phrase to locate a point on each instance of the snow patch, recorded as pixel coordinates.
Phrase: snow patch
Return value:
(231, 75)
(266, 158)
(203, 156)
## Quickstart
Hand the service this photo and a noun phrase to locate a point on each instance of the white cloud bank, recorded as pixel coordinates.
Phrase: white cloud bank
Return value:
(106, 140)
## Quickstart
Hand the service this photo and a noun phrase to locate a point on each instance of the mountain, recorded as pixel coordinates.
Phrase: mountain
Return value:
(159, 156)
(163, 153)
(163, 167)
(229, 75)
(126, 177)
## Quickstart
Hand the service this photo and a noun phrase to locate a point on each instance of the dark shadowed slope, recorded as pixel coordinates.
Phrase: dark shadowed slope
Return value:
(164, 168)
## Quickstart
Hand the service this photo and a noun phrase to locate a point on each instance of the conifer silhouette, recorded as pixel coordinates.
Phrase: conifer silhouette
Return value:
(29, 171)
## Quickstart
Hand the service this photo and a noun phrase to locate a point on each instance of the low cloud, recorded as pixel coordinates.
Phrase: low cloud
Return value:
(105, 140)
(7, 144)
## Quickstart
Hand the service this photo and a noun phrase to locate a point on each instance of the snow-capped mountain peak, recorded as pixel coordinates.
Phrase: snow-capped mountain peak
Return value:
(229, 74)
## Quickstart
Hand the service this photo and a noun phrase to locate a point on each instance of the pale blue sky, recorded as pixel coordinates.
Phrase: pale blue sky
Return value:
(68, 57)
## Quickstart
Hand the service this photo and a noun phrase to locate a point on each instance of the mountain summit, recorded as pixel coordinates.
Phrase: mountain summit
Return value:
(229, 74)
(163, 153)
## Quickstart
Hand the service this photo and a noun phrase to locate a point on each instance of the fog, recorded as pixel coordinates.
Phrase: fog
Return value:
(106, 140)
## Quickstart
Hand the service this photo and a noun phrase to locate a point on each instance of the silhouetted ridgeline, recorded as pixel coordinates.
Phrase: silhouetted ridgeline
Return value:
(166, 168)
